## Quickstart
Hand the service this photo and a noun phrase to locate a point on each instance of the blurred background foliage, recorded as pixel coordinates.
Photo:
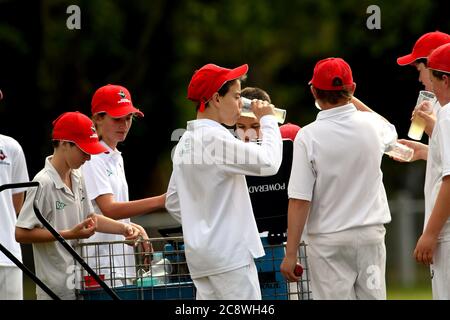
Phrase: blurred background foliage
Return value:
(153, 48)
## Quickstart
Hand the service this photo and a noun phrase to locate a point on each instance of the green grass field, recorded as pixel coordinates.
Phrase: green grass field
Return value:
(415, 293)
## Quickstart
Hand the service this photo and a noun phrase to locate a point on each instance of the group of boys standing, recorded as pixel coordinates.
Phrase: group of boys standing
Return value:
(335, 188)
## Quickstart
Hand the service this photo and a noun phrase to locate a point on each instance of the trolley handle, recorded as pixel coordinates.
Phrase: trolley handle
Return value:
(72, 252)
(11, 257)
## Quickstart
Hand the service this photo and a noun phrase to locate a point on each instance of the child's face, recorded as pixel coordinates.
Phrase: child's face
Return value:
(440, 87)
(247, 128)
(424, 76)
(230, 105)
(115, 130)
(75, 157)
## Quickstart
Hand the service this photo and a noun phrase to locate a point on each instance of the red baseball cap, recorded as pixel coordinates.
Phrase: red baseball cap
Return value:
(115, 100)
(439, 59)
(327, 70)
(209, 79)
(289, 131)
(423, 47)
(79, 129)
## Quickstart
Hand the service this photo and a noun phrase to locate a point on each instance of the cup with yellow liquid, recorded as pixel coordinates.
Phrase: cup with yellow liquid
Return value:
(418, 124)
(246, 111)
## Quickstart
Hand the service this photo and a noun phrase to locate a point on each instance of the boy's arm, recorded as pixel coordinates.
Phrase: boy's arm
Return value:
(427, 243)
(361, 106)
(83, 230)
(251, 159)
(122, 210)
(108, 225)
(297, 213)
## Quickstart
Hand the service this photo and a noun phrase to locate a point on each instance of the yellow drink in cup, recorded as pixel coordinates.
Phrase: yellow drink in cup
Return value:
(418, 124)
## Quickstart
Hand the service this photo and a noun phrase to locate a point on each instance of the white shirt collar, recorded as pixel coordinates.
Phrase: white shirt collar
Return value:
(198, 123)
(337, 111)
(112, 153)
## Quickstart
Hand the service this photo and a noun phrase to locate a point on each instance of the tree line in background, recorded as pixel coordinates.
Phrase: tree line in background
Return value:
(153, 47)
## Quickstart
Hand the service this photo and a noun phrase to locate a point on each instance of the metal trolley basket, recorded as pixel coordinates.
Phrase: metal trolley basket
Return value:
(163, 274)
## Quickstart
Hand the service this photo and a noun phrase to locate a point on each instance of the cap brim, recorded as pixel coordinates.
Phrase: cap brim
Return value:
(405, 60)
(124, 111)
(92, 147)
(237, 72)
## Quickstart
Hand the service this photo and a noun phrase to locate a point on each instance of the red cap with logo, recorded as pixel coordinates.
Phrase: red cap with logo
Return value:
(115, 100)
(439, 59)
(423, 47)
(79, 129)
(209, 79)
(289, 131)
(327, 70)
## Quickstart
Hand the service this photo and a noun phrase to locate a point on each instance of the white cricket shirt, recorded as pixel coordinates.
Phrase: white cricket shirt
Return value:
(105, 174)
(13, 169)
(63, 209)
(336, 166)
(438, 165)
(208, 193)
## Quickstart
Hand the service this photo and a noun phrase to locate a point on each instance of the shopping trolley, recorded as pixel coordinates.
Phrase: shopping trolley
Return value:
(161, 274)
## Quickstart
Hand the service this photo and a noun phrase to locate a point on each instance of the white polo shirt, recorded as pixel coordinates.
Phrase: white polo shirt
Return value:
(438, 165)
(63, 208)
(336, 166)
(208, 193)
(105, 174)
(13, 169)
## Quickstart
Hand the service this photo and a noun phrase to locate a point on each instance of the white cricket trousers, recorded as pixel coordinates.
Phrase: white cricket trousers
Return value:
(238, 284)
(440, 272)
(349, 264)
(10, 283)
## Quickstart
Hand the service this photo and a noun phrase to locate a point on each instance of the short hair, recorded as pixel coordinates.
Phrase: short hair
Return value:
(440, 74)
(255, 93)
(333, 96)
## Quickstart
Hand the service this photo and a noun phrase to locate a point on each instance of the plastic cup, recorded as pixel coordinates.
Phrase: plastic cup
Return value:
(418, 124)
(246, 111)
(400, 151)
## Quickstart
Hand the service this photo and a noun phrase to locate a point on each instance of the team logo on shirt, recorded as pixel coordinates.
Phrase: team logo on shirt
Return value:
(2, 158)
(60, 205)
(108, 172)
(2, 155)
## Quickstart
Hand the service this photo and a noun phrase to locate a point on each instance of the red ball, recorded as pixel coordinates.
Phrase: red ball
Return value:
(298, 271)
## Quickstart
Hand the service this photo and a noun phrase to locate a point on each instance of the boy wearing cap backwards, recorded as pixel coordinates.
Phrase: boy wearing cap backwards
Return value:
(207, 191)
(418, 58)
(61, 200)
(112, 112)
(13, 169)
(336, 183)
(433, 247)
